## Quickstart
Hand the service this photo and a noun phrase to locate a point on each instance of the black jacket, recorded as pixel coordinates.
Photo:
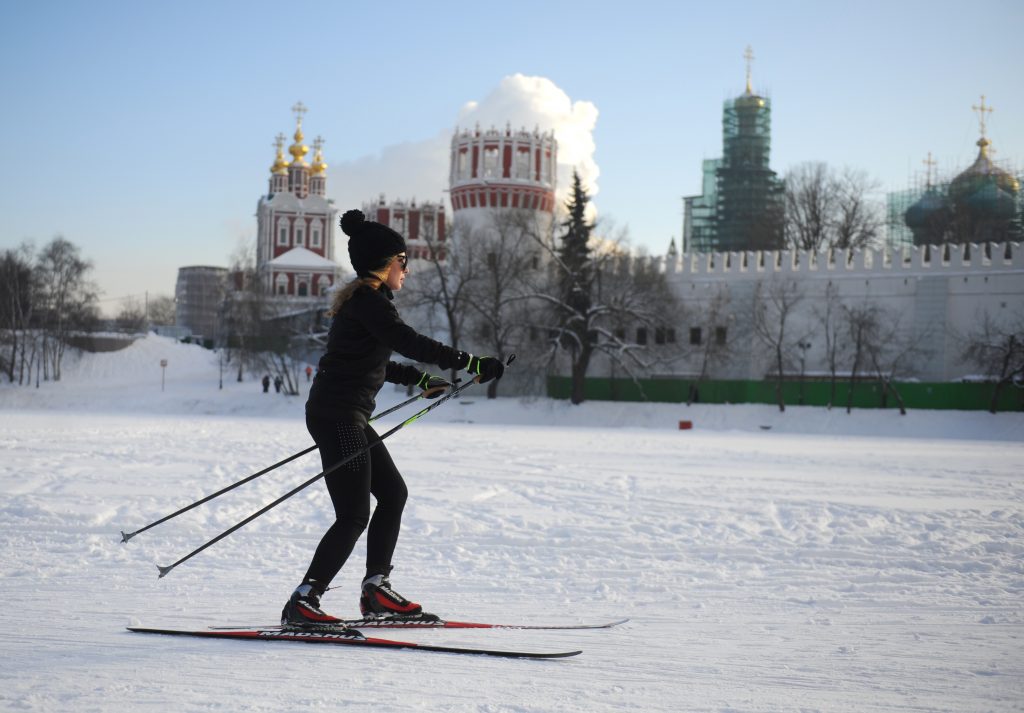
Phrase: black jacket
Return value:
(362, 337)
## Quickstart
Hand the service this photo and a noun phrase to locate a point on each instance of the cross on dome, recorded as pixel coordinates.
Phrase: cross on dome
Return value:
(748, 55)
(982, 110)
(299, 109)
(929, 165)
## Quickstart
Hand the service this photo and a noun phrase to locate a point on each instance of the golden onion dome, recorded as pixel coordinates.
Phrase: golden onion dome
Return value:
(319, 168)
(981, 173)
(750, 101)
(280, 166)
(298, 150)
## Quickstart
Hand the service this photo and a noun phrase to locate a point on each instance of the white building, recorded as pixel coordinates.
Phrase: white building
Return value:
(295, 223)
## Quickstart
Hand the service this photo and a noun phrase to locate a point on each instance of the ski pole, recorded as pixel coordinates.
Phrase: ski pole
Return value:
(125, 536)
(419, 414)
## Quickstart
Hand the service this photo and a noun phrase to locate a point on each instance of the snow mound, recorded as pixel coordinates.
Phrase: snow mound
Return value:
(140, 362)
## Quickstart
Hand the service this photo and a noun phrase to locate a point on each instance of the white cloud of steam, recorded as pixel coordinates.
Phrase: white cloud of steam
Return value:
(537, 102)
(411, 170)
(419, 169)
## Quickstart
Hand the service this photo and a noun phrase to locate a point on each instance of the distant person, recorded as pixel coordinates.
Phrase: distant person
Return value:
(309, 372)
(266, 383)
(278, 381)
(364, 332)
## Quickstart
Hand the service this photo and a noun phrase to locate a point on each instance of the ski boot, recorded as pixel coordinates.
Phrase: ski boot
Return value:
(379, 601)
(302, 611)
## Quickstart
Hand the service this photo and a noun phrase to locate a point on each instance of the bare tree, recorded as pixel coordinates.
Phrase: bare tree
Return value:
(715, 348)
(161, 310)
(879, 343)
(810, 202)
(775, 303)
(892, 352)
(831, 316)
(498, 293)
(16, 310)
(861, 326)
(243, 308)
(132, 315)
(858, 221)
(449, 269)
(67, 298)
(281, 352)
(829, 209)
(996, 348)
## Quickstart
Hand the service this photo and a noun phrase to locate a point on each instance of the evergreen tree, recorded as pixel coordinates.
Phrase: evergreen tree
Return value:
(574, 250)
(577, 286)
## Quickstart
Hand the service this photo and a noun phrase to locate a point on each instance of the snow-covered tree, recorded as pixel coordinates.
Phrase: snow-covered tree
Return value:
(593, 289)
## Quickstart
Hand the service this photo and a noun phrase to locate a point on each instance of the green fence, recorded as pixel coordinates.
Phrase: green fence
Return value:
(866, 394)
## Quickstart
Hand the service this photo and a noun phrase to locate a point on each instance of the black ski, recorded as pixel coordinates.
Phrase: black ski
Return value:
(348, 637)
(414, 622)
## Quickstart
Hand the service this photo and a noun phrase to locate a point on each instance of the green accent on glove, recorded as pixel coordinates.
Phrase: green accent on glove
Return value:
(433, 386)
(485, 368)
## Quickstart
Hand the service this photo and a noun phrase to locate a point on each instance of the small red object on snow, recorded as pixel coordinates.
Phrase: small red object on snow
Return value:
(685, 425)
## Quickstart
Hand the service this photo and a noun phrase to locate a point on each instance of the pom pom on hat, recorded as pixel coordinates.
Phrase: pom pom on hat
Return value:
(370, 244)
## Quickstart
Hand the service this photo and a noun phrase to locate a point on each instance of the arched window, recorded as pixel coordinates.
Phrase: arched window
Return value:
(523, 164)
(491, 162)
(281, 284)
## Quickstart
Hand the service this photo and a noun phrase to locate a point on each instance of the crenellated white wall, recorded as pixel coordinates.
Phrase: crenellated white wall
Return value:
(936, 293)
(756, 264)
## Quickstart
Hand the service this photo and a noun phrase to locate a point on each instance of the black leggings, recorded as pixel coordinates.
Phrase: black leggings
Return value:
(350, 488)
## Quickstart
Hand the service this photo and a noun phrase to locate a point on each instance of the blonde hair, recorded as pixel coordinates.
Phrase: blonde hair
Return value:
(374, 281)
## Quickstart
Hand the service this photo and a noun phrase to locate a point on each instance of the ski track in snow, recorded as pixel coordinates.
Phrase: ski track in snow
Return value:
(762, 570)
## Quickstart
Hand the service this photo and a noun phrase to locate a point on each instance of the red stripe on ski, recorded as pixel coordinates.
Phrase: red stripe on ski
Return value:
(348, 638)
(412, 623)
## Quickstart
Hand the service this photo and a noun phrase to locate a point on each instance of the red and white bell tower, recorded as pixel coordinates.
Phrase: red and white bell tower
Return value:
(295, 222)
(495, 170)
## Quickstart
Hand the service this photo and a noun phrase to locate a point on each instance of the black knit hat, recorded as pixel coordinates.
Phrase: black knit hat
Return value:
(369, 244)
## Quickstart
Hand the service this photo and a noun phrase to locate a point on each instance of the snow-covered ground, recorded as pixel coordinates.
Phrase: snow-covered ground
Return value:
(810, 560)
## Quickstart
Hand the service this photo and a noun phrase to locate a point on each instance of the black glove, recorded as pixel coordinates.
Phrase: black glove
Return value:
(433, 386)
(485, 368)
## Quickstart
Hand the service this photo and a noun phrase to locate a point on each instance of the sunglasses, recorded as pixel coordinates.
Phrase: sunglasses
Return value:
(402, 260)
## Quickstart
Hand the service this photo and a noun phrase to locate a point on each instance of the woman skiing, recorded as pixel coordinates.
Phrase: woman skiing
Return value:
(365, 330)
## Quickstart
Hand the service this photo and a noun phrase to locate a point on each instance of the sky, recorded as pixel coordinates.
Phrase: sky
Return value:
(143, 132)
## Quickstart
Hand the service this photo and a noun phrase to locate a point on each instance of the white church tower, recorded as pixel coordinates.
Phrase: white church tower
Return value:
(295, 223)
